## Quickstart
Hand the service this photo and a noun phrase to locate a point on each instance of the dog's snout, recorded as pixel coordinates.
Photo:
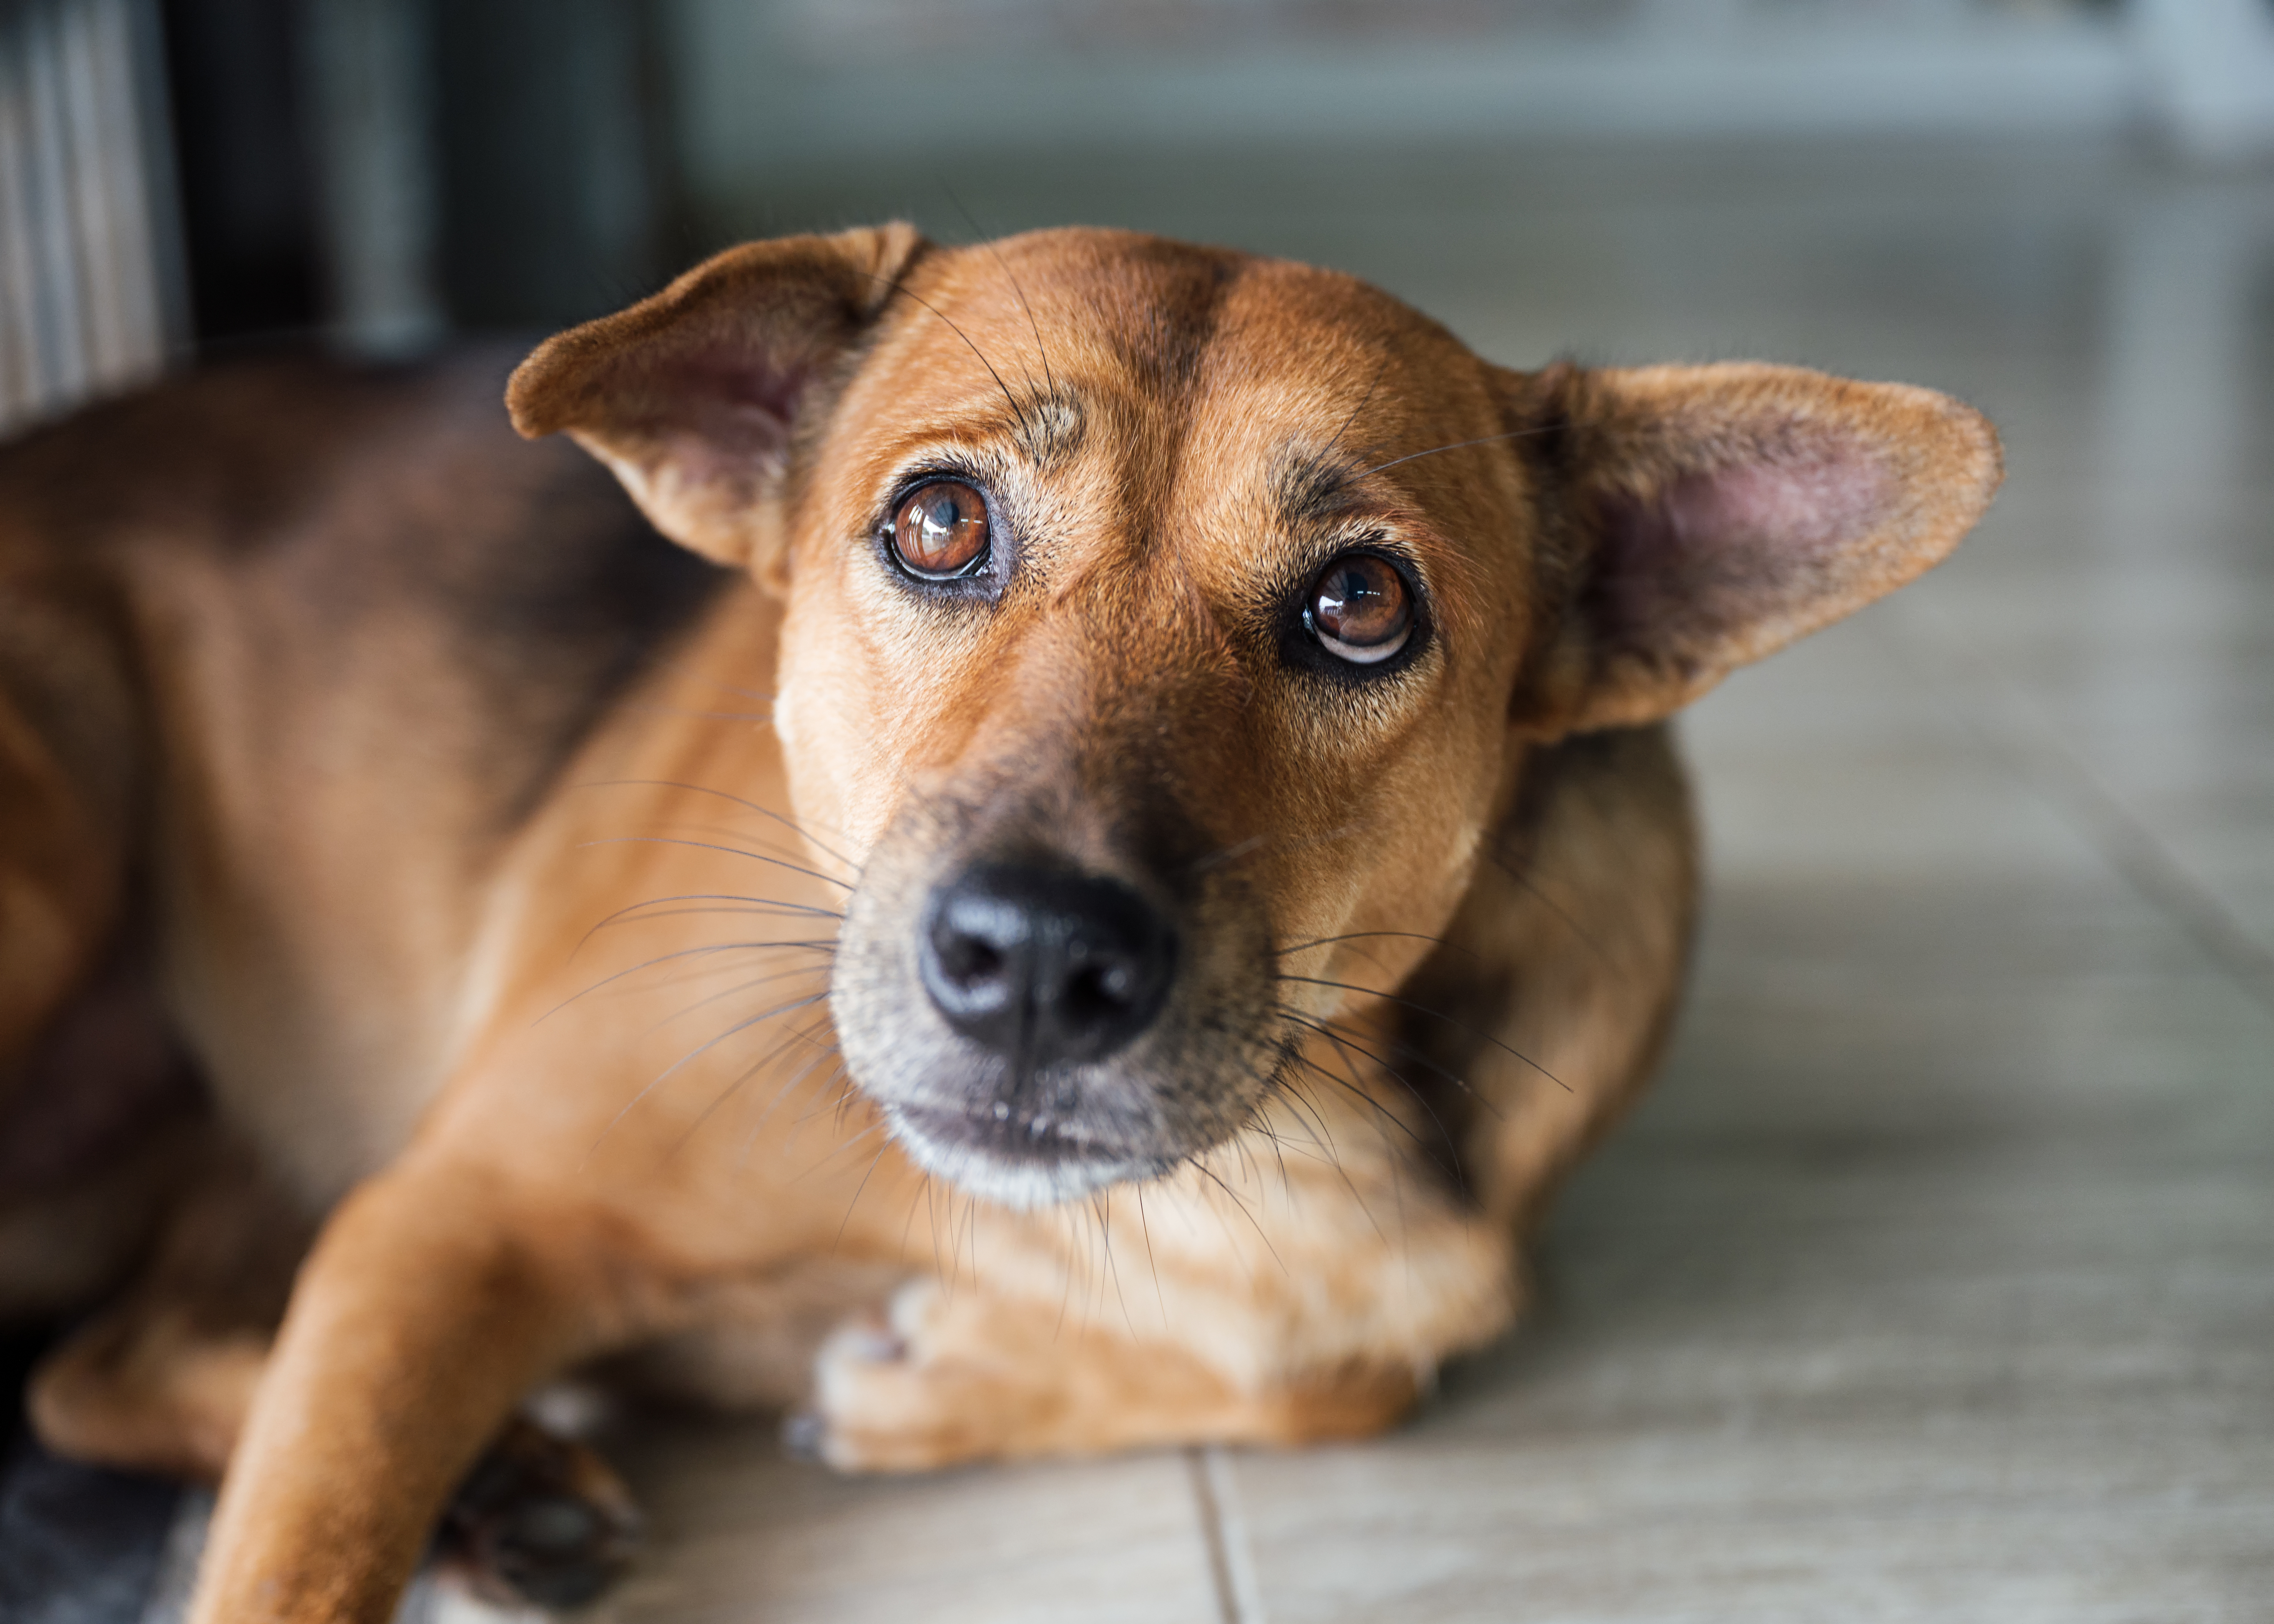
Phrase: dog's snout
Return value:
(1044, 965)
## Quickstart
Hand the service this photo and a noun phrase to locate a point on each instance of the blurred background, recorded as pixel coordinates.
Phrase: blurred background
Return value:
(1935, 1279)
(179, 173)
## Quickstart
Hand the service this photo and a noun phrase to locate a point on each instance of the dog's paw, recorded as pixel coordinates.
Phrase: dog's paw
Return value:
(540, 1519)
(936, 1382)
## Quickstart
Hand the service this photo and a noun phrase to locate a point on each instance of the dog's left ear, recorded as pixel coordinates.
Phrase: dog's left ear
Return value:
(692, 396)
(1695, 518)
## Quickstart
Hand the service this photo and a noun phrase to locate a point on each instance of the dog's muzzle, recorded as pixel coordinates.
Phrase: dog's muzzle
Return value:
(1040, 1014)
(1043, 975)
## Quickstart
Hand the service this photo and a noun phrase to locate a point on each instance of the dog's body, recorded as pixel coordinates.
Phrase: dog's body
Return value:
(490, 855)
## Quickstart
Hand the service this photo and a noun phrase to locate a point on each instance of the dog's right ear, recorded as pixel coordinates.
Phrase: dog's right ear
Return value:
(692, 396)
(1695, 518)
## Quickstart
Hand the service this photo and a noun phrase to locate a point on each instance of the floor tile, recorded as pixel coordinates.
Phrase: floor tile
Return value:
(744, 1535)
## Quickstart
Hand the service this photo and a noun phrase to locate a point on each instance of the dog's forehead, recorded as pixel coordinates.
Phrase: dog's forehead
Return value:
(1213, 377)
(1155, 318)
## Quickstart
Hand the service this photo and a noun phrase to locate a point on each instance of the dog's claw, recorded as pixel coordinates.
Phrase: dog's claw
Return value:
(541, 1520)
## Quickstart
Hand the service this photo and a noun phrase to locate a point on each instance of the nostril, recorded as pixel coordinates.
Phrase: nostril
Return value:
(1100, 990)
(966, 959)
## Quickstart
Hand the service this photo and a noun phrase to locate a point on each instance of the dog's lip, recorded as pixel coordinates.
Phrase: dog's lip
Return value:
(1009, 1134)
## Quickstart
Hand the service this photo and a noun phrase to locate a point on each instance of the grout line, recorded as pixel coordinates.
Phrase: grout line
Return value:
(2023, 732)
(1239, 1597)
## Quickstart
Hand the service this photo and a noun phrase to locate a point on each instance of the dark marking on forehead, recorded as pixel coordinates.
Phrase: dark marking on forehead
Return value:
(1179, 296)
(1051, 428)
(1309, 486)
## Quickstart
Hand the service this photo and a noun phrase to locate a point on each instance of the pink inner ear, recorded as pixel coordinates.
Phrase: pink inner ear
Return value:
(743, 407)
(1774, 511)
(719, 428)
(1719, 551)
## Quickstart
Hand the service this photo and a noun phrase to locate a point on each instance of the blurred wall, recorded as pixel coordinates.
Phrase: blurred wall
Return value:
(773, 89)
(555, 185)
(388, 170)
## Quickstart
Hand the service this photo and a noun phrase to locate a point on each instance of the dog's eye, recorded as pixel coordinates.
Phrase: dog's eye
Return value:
(941, 530)
(1360, 609)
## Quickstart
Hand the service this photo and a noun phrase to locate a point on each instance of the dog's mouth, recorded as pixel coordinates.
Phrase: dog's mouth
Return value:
(1024, 1156)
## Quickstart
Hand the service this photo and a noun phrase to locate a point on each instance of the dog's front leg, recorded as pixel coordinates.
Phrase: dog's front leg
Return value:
(430, 1305)
(952, 1377)
(1255, 1301)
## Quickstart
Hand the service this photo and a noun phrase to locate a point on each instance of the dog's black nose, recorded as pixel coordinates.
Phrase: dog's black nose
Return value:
(1045, 966)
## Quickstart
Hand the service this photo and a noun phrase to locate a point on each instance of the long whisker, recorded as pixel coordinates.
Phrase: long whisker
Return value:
(1506, 866)
(1335, 1032)
(631, 914)
(866, 1175)
(711, 973)
(764, 909)
(684, 952)
(791, 825)
(1458, 445)
(1016, 409)
(988, 243)
(735, 1087)
(822, 1053)
(700, 1049)
(1145, 1229)
(652, 1083)
(1446, 1154)
(712, 846)
(1333, 1156)
(1357, 935)
(1205, 1172)
(1363, 401)
(1231, 853)
(766, 845)
(738, 989)
(1255, 843)
(1422, 1009)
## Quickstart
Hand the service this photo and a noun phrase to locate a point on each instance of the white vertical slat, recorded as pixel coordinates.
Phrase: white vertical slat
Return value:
(85, 205)
(139, 315)
(95, 249)
(368, 68)
(62, 332)
(20, 378)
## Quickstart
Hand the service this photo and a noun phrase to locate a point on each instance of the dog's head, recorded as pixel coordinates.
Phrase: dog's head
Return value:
(1154, 611)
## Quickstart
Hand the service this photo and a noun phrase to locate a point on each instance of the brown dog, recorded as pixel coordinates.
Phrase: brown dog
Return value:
(1152, 815)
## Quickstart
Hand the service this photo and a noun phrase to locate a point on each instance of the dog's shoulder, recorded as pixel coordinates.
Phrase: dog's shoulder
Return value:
(363, 535)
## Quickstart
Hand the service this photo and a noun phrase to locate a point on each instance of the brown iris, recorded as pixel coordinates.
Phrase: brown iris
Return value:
(941, 529)
(1360, 609)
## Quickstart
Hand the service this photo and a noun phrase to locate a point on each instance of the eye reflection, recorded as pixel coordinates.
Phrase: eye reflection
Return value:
(1360, 609)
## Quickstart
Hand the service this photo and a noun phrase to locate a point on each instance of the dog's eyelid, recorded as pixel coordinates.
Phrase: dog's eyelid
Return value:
(1373, 539)
(911, 475)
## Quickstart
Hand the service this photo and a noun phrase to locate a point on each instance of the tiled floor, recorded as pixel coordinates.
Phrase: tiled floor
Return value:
(1935, 1281)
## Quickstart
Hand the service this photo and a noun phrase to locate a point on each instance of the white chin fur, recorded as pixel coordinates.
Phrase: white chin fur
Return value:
(1023, 1186)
